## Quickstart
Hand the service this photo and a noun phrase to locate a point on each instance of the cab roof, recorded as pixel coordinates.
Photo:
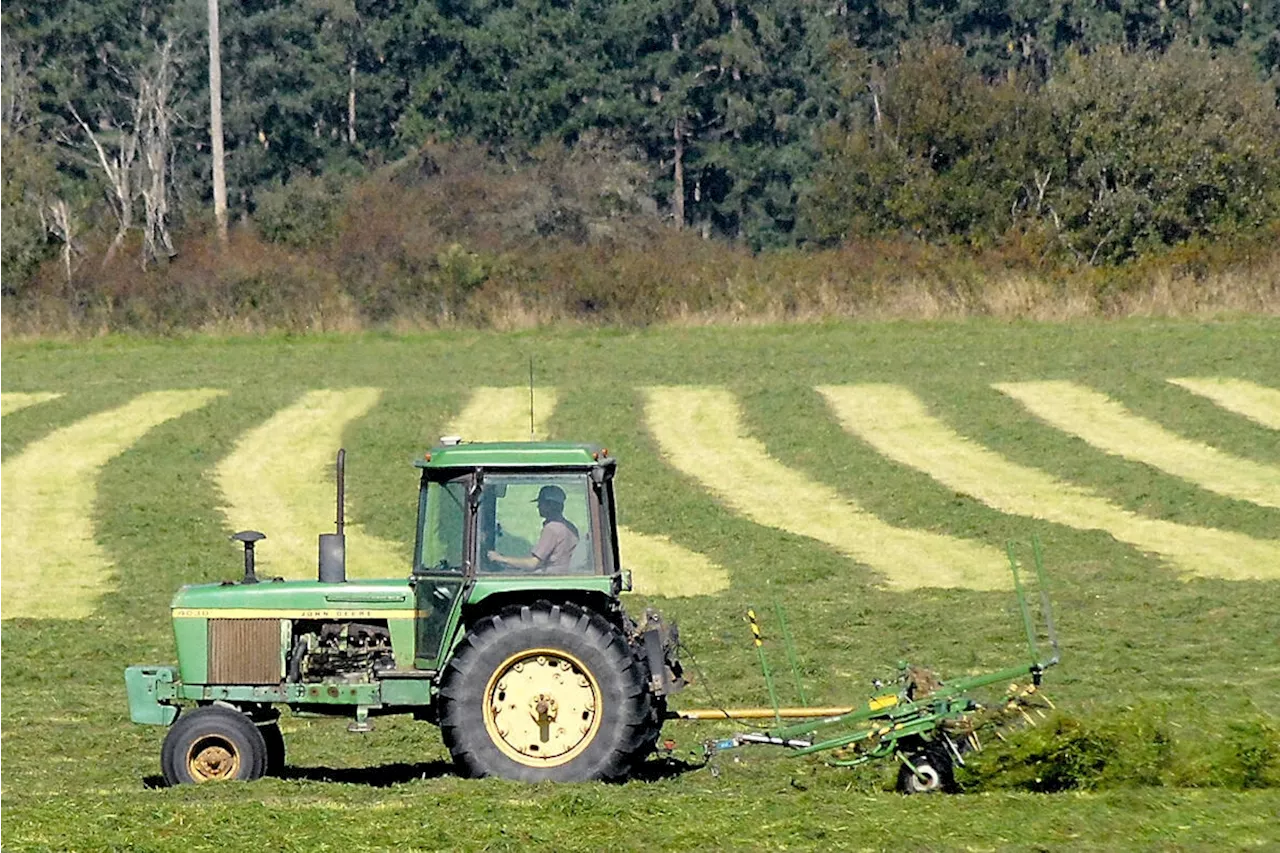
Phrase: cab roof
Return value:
(514, 454)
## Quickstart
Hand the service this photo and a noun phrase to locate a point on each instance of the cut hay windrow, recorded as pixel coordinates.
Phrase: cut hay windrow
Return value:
(897, 424)
(279, 479)
(702, 434)
(658, 565)
(1256, 402)
(16, 401)
(502, 414)
(51, 567)
(1109, 426)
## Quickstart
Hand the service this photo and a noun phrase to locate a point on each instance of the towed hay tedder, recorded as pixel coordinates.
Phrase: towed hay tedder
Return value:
(927, 726)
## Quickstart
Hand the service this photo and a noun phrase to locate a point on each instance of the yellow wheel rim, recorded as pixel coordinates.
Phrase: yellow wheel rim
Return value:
(213, 758)
(542, 707)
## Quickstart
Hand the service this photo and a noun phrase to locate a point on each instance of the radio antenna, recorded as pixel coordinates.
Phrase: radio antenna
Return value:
(531, 398)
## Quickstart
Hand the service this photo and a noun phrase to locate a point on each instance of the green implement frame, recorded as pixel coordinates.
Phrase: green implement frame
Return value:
(927, 719)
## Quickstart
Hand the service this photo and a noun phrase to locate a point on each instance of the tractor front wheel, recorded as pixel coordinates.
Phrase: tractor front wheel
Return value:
(213, 744)
(274, 740)
(546, 692)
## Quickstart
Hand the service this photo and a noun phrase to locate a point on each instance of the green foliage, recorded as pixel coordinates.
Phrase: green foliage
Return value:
(1072, 753)
(735, 95)
(1159, 149)
(942, 153)
(1118, 154)
(303, 212)
(1254, 746)
(28, 180)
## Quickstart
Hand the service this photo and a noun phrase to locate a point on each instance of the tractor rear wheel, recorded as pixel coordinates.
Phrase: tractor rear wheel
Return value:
(546, 692)
(213, 744)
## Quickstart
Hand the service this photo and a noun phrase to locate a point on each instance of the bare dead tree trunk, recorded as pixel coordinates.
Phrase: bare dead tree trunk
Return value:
(677, 194)
(215, 124)
(157, 143)
(119, 173)
(56, 217)
(140, 162)
(351, 105)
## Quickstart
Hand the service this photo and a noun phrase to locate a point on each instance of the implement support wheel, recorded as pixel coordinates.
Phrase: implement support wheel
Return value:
(936, 772)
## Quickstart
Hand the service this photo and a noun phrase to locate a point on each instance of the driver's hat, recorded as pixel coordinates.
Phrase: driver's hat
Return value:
(554, 494)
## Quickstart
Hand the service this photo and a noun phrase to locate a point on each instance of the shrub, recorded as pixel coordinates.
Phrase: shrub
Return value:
(1116, 155)
(28, 178)
(301, 213)
(1158, 149)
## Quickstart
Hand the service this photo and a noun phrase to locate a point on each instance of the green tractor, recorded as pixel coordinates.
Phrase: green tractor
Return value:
(508, 633)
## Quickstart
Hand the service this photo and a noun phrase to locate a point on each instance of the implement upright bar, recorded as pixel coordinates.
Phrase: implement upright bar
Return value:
(1022, 603)
(791, 650)
(764, 665)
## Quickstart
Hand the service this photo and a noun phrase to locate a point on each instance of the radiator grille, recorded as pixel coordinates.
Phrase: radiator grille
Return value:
(244, 651)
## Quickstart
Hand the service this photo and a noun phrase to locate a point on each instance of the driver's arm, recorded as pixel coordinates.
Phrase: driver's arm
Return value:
(531, 562)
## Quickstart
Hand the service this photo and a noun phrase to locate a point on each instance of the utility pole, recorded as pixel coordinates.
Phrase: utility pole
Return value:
(215, 125)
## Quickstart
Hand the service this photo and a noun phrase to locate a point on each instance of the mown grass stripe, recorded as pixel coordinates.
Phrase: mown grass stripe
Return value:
(702, 434)
(658, 565)
(16, 401)
(1107, 425)
(51, 567)
(1256, 402)
(897, 424)
(279, 479)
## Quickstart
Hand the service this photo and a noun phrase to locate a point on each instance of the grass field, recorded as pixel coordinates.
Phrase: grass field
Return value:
(865, 476)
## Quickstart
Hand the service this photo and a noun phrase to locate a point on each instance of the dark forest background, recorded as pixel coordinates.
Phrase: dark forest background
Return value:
(525, 161)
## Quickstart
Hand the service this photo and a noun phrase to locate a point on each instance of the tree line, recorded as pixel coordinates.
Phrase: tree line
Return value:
(1087, 130)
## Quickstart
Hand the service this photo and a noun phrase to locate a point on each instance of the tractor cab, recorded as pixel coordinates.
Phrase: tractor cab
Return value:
(474, 515)
(509, 516)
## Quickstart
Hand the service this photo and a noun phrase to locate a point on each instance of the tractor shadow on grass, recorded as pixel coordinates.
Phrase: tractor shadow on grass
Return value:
(388, 775)
(381, 776)
(666, 767)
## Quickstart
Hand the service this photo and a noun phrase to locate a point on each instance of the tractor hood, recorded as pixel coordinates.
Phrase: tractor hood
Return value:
(371, 599)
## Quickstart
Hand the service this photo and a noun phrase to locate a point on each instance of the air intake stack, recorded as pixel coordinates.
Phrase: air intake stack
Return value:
(333, 546)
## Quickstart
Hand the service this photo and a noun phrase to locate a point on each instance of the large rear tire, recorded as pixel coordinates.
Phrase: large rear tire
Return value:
(546, 692)
(213, 744)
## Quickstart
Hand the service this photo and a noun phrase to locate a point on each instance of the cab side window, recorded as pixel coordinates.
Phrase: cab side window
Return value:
(445, 527)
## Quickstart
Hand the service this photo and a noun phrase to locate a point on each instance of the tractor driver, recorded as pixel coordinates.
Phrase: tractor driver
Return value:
(555, 546)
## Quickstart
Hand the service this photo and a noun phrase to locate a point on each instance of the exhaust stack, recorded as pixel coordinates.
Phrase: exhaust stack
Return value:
(333, 546)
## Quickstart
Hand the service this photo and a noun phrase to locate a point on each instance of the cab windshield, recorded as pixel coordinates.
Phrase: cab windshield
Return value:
(537, 524)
